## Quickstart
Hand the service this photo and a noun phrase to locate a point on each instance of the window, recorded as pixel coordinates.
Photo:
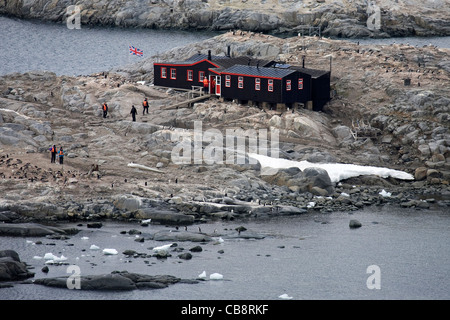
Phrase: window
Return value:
(270, 85)
(240, 82)
(201, 76)
(257, 84)
(288, 85)
(173, 73)
(190, 75)
(227, 81)
(300, 84)
(163, 72)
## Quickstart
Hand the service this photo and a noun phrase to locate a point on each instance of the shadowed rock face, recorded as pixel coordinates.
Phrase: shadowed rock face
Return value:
(335, 18)
(11, 268)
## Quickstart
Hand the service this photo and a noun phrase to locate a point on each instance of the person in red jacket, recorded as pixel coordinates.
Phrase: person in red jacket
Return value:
(205, 84)
(53, 152)
(105, 109)
(145, 105)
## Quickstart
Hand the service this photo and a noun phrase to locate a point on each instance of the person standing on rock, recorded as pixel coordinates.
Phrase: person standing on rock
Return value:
(61, 155)
(53, 151)
(145, 105)
(133, 112)
(105, 109)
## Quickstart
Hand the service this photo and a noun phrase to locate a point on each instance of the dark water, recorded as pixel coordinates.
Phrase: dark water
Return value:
(312, 256)
(32, 45)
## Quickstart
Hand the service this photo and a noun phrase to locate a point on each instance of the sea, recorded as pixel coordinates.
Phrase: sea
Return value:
(35, 45)
(397, 254)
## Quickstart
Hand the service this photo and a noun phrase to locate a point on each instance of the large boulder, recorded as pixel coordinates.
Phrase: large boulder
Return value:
(11, 268)
(116, 281)
(32, 230)
(318, 177)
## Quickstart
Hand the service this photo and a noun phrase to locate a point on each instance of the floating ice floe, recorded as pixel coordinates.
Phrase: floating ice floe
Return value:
(215, 276)
(51, 258)
(202, 275)
(37, 257)
(336, 171)
(110, 251)
(146, 221)
(94, 247)
(285, 296)
(384, 193)
(162, 248)
(84, 238)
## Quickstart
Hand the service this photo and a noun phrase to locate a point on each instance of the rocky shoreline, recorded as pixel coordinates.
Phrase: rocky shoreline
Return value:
(346, 18)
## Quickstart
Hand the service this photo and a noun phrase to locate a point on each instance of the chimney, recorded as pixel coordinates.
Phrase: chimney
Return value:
(209, 55)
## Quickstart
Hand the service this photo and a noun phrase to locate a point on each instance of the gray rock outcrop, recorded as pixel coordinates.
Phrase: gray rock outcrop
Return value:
(11, 268)
(340, 18)
(115, 281)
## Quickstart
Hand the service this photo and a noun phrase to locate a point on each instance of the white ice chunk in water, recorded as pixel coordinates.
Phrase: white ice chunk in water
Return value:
(162, 248)
(94, 247)
(285, 296)
(215, 276)
(202, 275)
(51, 258)
(110, 251)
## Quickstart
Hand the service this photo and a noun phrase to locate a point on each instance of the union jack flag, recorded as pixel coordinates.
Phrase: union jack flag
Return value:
(135, 51)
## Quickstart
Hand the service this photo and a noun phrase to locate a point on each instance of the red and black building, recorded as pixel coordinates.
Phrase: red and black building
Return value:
(248, 80)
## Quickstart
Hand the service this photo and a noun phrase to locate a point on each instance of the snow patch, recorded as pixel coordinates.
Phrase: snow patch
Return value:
(336, 171)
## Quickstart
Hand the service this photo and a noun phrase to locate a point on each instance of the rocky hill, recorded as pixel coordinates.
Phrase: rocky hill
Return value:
(343, 18)
(375, 118)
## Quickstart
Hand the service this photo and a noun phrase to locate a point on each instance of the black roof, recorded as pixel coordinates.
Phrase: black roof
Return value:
(225, 62)
(259, 71)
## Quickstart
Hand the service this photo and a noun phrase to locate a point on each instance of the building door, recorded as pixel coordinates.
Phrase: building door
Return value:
(218, 85)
